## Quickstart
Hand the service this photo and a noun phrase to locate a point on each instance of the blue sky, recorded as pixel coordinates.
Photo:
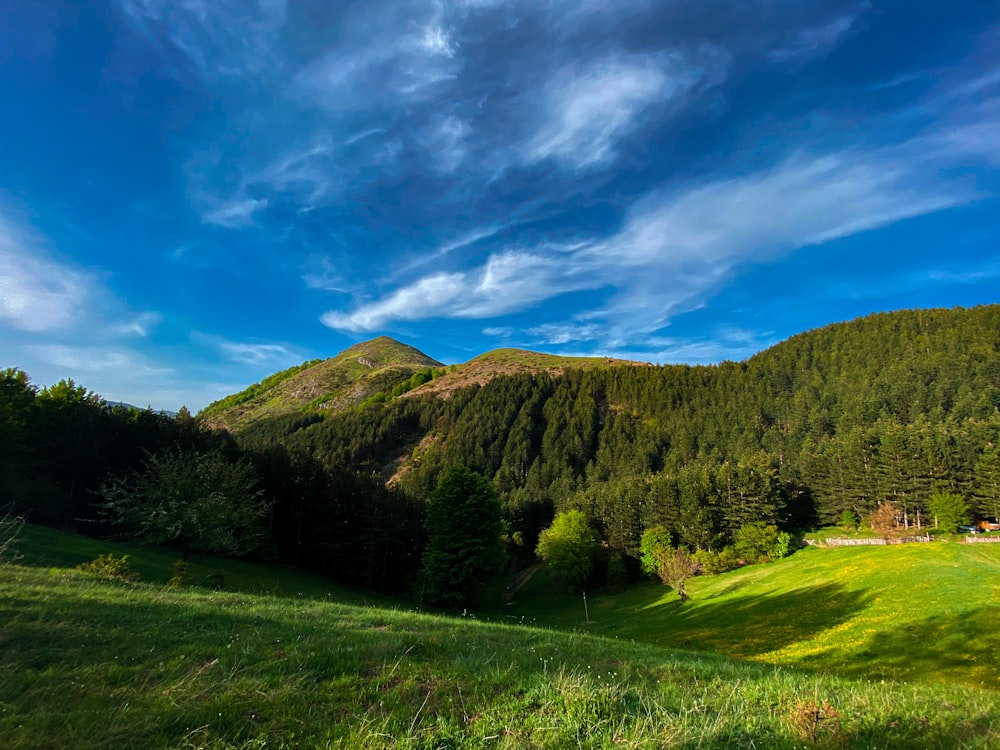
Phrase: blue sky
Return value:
(197, 193)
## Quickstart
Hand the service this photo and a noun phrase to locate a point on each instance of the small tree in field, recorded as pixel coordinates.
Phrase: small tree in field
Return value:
(676, 566)
(672, 566)
(570, 547)
(949, 510)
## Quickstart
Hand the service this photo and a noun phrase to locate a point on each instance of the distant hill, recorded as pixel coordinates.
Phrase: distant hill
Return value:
(380, 369)
(329, 385)
(484, 368)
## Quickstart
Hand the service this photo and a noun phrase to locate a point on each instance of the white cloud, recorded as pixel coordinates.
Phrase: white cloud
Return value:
(423, 299)
(97, 359)
(804, 200)
(38, 294)
(215, 38)
(257, 353)
(498, 331)
(445, 143)
(564, 333)
(588, 110)
(394, 51)
(676, 246)
(235, 213)
(816, 41)
(509, 281)
(140, 325)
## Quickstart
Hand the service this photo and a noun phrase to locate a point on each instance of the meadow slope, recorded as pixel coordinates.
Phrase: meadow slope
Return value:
(916, 612)
(89, 663)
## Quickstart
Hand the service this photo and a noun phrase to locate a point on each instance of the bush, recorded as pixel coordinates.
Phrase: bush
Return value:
(713, 563)
(849, 520)
(10, 527)
(181, 577)
(758, 543)
(109, 566)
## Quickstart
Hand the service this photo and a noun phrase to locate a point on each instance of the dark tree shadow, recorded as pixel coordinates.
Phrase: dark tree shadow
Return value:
(963, 648)
(749, 626)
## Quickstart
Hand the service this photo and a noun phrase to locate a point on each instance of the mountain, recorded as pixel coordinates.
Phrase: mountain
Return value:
(379, 370)
(826, 425)
(329, 385)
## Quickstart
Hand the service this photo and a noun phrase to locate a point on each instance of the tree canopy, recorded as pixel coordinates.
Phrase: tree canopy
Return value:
(571, 548)
(193, 501)
(464, 550)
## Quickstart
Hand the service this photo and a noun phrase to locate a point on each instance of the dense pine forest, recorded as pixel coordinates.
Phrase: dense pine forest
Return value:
(893, 406)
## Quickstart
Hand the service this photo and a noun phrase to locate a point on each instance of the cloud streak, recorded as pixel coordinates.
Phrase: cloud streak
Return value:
(37, 294)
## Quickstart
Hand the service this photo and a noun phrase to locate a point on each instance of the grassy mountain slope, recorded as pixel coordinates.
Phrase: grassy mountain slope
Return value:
(484, 368)
(331, 384)
(88, 663)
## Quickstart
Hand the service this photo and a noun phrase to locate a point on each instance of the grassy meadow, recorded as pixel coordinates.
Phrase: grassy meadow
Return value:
(289, 662)
(915, 612)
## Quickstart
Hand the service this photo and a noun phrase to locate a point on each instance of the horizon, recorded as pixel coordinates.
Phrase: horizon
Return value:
(196, 195)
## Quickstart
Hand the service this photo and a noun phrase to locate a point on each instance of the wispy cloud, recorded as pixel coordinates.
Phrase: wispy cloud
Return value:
(509, 281)
(817, 41)
(257, 353)
(395, 51)
(674, 246)
(234, 213)
(141, 325)
(37, 293)
(803, 200)
(557, 334)
(98, 359)
(213, 38)
(590, 108)
(445, 141)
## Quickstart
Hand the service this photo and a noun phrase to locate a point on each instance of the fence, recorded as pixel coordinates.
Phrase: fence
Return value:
(981, 539)
(873, 542)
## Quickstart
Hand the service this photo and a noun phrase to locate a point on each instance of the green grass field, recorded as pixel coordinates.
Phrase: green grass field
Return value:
(289, 662)
(48, 548)
(925, 612)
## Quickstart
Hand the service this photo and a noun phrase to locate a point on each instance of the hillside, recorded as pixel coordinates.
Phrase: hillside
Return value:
(234, 670)
(909, 612)
(328, 385)
(891, 406)
(499, 362)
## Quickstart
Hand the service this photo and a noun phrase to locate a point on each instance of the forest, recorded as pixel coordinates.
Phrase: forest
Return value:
(891, 407)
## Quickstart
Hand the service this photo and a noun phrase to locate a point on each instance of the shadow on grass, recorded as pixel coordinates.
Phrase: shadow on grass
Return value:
(748, 626)
(251, 670)
(961, 648)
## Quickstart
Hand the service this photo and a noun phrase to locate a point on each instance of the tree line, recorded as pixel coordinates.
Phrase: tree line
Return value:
(893, 407)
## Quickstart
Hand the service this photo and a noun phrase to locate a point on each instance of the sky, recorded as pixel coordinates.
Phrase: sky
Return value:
(197, 193)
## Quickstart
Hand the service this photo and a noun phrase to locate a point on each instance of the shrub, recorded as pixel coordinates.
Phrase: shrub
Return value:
(849, 520)
(181, 577)
(757, 542)
(10, 527)
(109, 566)
(713, 563)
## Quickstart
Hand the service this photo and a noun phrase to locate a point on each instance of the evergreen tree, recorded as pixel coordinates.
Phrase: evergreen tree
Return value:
(464, 549)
